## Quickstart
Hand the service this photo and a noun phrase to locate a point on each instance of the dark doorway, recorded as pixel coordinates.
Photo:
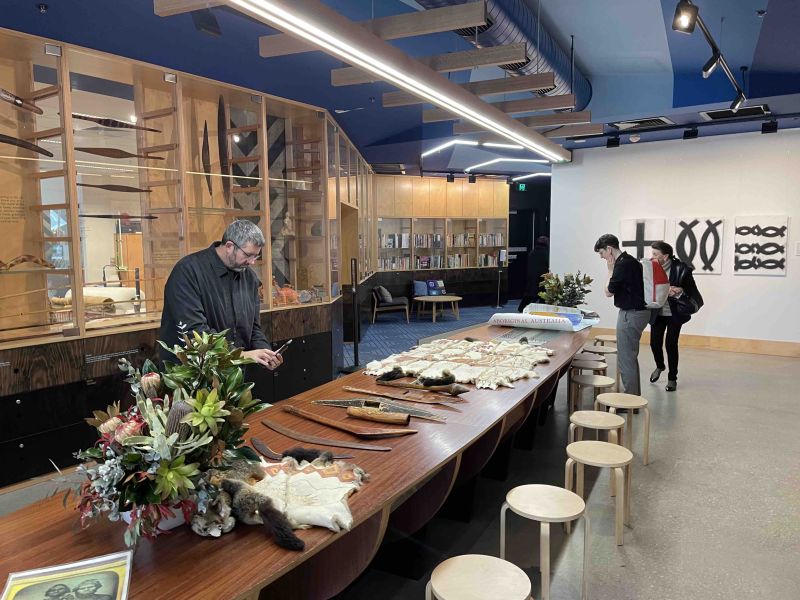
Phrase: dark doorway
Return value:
(529, 217)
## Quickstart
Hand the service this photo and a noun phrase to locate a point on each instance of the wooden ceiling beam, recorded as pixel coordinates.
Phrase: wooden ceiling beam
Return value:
(168, 8)
(435, 20)
(540, 82)
(574, 131)
(555, 120)
(510, 107)
(444, 63)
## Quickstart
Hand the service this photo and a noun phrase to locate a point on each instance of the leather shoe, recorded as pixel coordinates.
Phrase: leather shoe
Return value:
(671, 386)
(655, 375)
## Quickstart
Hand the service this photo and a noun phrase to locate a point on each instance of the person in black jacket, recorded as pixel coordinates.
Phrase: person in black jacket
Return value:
(670, 318)
(538, 265)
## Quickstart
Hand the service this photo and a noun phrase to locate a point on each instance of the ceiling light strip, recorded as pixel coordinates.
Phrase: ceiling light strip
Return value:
(272, 13)
(531, 176)
(497, 160)
(448, 145)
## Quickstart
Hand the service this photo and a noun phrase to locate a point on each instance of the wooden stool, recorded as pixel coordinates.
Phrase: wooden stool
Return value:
(587, 356)
(602, 454)
(604, 340)
(546, 504)
(578, 382)
(603, 351)
(477, 577)
(615, 402)
(597, 420)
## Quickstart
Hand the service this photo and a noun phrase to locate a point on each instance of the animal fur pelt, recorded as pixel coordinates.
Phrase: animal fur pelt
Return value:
(252, 507)
(308, 454)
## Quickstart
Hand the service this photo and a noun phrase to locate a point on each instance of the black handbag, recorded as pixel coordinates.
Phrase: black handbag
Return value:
(685, 305)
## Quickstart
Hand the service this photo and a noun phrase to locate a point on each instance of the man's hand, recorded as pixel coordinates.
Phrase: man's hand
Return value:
(268, 358)
(675, 291)
(610, 260)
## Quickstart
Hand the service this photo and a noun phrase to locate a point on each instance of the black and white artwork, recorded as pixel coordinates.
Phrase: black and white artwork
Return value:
(760, 245)
(697, 241)
(636, 235)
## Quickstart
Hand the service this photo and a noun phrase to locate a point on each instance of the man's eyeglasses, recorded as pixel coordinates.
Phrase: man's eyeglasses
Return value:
(248, 255)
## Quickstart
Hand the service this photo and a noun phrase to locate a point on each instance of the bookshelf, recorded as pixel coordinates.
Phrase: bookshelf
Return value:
(492, 237)
(394, 244)
(461, 243)
(428, 243)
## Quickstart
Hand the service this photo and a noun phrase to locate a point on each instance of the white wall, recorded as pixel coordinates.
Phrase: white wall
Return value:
(744, 174)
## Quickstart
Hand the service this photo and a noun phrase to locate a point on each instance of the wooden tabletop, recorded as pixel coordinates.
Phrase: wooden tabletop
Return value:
(438, 298)
(237, 565)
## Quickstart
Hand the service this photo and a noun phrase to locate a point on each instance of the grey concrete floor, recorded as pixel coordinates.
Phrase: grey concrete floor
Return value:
(716, 513)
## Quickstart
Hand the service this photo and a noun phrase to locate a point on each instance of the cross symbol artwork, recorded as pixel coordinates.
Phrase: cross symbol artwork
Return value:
(638, 234)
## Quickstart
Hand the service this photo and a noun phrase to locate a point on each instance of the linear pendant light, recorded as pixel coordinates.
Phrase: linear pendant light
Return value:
(314, 22)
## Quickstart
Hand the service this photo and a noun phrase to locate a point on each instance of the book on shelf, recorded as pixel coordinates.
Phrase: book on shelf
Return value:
(487, 260)
(395, 263)
(491, 239)
(461, 240)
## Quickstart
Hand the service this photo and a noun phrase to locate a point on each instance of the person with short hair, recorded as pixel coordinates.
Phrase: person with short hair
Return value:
(214, 290)
(626, 285)
(666, 320)
(87, 590)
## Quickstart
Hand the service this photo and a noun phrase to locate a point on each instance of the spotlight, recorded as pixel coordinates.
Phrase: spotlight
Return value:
(450, 178)
(712, 63)
(472, 179)
(685, 17)
(770, 126)
(690, 134)
(737, 104)
(612, 142)
(509, 180)
(205, 21)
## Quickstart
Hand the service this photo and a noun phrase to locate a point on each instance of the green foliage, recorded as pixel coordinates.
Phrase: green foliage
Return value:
(208, 412)
(570, 292)
(174, 479)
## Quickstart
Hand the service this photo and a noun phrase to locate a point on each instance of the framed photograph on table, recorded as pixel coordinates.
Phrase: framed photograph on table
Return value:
(101, 578)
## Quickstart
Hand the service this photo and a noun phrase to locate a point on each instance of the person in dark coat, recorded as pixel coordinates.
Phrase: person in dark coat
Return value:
(538, 265)
(666, 319)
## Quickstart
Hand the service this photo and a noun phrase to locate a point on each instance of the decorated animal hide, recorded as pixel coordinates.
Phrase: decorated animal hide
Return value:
(486, 364)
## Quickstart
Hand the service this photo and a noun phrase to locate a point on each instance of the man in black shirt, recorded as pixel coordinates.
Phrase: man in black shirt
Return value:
(626, 285)
(213, 290)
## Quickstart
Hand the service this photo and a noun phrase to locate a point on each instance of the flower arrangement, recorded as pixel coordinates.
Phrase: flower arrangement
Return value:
(570, 292)
(151, 459)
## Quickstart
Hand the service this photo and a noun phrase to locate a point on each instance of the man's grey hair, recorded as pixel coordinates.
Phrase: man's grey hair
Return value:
(242, 231)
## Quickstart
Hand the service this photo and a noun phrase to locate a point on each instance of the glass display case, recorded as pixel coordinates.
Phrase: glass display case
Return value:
(36, 213)
(491, 239)
(332, 143)
(126, 142)
(428, 243)
(394, 244)
(461, 243)
(297, 204)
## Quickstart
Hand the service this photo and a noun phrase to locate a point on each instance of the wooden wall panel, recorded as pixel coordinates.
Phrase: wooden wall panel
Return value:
(39, 367)
(384, 195)
(485, 198)
(420, 195)
(470, 200)
(297, 322)
(454, 193)
(501, 194)
(403, 206)
(101, 354)
(438, 197)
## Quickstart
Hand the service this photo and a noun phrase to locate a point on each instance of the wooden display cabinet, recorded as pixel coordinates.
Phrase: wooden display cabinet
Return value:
(38, 219)
(428, 243)
(492, 237)
(461, 243)
(394, 244)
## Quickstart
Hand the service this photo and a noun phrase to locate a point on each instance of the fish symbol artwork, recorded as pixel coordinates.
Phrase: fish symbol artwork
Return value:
(760, 244)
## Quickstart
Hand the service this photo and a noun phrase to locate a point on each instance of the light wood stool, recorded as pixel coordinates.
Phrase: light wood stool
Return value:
(597, 420)
(595, 382)
(615, 402)
(546, 504)
(603, 351)
(477, 577)
(604, 340)
(603, 454)
(587, 356)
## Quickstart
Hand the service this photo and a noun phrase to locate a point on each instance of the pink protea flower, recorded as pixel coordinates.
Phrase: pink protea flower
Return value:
(151, 384)
(126, 430)
(110, 425)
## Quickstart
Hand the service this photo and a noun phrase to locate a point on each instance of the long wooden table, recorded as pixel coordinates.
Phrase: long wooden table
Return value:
(407, 487)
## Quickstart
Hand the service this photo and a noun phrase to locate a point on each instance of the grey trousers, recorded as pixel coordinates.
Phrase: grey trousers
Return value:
(630, 325)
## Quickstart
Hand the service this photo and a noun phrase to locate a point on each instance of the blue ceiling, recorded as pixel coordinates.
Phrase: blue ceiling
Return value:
(637, 65)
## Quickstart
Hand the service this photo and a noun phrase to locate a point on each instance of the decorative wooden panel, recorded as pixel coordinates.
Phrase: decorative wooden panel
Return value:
(485, 198)
(420, 194)
(384, 195)
(297, 322)
(454, 192)
(403, 206)
(437, 206)
(470, 200)
(501, 191)
(38, 367)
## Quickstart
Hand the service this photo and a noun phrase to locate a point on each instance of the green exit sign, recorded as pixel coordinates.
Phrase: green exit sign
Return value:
(522, 187)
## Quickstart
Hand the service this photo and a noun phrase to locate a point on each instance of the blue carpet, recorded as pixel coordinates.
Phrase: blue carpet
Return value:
(391, 334)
